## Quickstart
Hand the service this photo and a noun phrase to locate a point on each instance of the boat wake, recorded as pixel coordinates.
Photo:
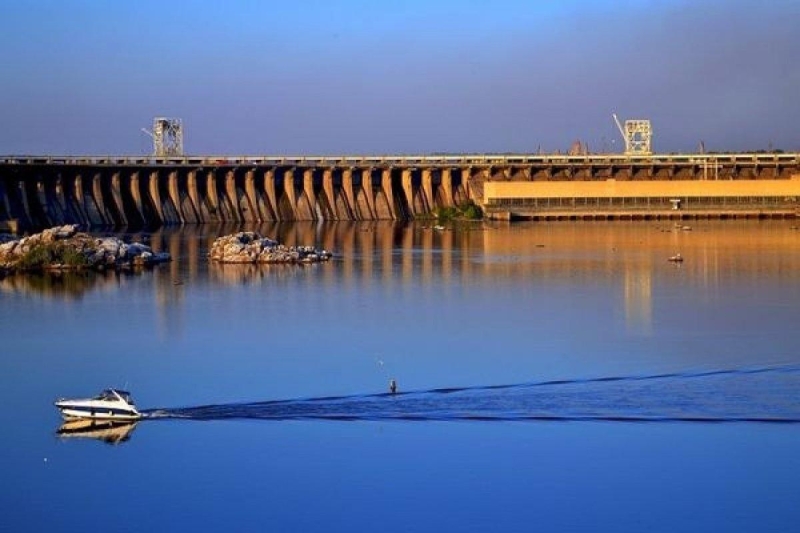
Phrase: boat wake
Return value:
(768, 395)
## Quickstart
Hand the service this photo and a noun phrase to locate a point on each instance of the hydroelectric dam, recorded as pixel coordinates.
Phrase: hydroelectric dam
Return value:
(137, 191)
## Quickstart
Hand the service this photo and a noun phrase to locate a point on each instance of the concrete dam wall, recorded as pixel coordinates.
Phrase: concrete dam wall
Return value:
(144, 195)
(40, 191)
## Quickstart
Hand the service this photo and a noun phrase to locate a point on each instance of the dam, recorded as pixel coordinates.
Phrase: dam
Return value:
(147, 191)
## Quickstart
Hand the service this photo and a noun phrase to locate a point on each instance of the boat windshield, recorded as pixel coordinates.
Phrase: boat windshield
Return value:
(111, 395)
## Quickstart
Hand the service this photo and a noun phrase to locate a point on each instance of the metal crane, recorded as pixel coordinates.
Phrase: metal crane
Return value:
(621, 130)
(167, 136)
(637, 135)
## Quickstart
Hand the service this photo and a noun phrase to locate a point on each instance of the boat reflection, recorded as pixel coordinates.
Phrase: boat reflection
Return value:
(108, 431)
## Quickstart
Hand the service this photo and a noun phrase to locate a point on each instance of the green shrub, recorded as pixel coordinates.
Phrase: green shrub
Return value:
(72, 257)
(468, 210)
(41, 256)
(471, 211)
(37, 258)
(445, 214)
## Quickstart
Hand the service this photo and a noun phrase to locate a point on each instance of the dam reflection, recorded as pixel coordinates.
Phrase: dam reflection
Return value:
(630, 256)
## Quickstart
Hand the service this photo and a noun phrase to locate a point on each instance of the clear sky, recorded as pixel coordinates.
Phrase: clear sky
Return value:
(420, 76)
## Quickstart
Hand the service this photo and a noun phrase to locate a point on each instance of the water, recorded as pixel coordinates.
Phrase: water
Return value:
(551, 376)
(753, 395)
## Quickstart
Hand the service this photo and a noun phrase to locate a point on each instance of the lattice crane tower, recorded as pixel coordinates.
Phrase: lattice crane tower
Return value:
(167, 137)
(637, 135)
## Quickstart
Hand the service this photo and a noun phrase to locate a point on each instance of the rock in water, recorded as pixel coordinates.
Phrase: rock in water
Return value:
(250, 247)
(64, 248)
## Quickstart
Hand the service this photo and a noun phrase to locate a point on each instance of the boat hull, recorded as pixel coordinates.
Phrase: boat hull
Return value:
(98, 414)
(111, 404)
(97, 410)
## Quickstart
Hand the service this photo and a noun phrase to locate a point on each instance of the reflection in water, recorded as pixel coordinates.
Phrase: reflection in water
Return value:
(67, 285)
(108, 431)
(639, 300)
(632, 256)
(233, 274)
(733, 395)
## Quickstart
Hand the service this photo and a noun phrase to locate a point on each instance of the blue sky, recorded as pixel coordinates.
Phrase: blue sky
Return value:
(249, 77)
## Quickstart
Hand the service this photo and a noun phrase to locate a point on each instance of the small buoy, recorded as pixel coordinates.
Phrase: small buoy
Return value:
(392, 386)
(45, 459)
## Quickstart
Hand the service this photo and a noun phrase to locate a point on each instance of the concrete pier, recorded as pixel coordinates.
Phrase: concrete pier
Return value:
(39, 191)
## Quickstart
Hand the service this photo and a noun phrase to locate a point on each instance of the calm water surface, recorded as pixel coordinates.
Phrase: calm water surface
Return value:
(553, 377)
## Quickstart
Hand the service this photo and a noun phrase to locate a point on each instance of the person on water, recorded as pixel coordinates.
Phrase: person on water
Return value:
(392, 386)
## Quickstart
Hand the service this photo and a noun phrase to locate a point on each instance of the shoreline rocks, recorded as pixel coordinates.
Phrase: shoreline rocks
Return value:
(65, 248)
(248, 247)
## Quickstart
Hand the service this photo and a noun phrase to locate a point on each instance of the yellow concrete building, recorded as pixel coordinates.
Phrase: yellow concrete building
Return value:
(611, 198)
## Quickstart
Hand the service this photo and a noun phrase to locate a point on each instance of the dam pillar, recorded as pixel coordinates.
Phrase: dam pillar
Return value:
(33, 201)
(194, 196)
(116, 197)
(80, 199)
(174, 195)
(428, 200)
(55, 193)
(386, 188)
(101, 217)
(22, 194)
(136, 195)
(47, 210)
(232, 197)
(467, 185)
(459, 177)
(253, 213)
(291, 194)
(5, 198)
(269, 190)
(308, 191)
(212, 198)
(64, 197)
(347, 187)
(408, 190)
(327, 189)
(155, 196)
(40, 212)
(447, 187)
(36, 201)
(369, 193)
(262, 203)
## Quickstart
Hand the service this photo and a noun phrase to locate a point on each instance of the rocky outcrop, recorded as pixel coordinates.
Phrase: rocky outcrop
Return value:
(65, 248)
(249, 247)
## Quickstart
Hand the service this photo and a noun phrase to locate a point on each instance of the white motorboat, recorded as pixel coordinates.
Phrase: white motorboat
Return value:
(111, 404)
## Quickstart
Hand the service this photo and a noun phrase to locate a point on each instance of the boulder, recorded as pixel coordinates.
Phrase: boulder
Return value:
(250, 247)
(69, 249)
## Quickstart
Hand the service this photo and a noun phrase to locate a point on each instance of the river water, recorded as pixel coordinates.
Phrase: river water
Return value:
(552, 376)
